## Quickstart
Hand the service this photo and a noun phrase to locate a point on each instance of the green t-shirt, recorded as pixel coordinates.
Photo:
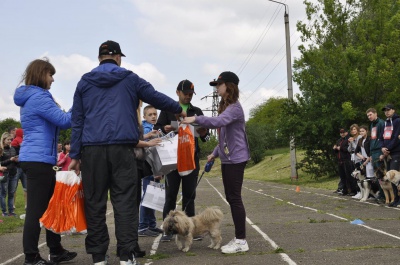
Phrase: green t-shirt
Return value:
(184, 107)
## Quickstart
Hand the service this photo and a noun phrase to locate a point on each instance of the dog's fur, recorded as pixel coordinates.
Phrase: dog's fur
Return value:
(394, 177)
(386, 185)
(206, 223)
(367, 186)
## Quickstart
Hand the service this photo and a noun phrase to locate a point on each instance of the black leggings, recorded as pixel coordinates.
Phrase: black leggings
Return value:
(41, 180)
(232, 177)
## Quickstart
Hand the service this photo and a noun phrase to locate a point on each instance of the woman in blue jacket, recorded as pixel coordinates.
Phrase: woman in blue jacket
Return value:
(41, 119)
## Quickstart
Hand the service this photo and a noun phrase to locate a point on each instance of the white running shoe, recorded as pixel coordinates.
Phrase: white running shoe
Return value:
(230, 243)
(235, 247)
(357, 196)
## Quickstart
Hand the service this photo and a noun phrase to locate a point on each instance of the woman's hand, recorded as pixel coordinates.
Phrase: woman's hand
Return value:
(210, 158)
(189, 120)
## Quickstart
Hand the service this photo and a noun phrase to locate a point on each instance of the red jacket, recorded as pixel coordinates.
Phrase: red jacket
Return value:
(16, 143)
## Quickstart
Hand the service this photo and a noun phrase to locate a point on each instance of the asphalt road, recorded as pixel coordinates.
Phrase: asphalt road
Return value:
(312, 226)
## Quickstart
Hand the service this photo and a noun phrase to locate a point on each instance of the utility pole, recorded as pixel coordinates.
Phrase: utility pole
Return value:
(214, 107)
(290, 87)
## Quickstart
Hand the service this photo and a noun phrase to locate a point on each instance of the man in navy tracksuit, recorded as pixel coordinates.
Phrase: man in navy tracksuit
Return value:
(104, 134)
(391, 144)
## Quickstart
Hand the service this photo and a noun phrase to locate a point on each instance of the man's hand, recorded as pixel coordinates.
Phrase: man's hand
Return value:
(202, 131)
(182, 114)
(169, 128)
(2, 169)
(75, 165)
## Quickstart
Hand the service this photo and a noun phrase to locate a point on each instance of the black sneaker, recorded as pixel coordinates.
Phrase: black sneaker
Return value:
(63, 256)
(166, 238)
(148, 232)
(38, 261)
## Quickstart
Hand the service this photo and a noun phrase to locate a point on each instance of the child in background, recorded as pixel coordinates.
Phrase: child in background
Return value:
(147, 217)
(63, 159)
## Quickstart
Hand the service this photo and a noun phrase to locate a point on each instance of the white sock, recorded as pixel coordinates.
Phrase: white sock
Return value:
(241, 241)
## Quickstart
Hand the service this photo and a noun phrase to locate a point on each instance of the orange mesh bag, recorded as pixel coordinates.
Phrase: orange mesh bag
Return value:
(65, 213)
(185, 161)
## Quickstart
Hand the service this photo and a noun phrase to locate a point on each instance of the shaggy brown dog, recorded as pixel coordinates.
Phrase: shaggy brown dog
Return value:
(206, 223)
(386, 185)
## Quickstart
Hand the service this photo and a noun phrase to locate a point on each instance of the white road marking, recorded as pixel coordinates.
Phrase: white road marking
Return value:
(284, 256)
(333, 215)
(41, 245)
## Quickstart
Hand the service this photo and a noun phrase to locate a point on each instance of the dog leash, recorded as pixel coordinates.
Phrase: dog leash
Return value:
(207, 168)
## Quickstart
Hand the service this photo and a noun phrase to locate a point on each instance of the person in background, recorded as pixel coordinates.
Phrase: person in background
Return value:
(233, 151)
(104, 134)
(376, 128)
(59, 150)
(353, 140)
(363, 151)
(391, 144)
(64, 160)
(16, 144)
(167, 122)
(42, 118)
(147, 216)
(11, 130)
(9, 183)
(344, 161)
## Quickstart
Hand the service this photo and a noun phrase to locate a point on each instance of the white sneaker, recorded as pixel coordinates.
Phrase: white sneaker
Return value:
(357, 196)
(129, 262)
(230, 243)
(235, 247)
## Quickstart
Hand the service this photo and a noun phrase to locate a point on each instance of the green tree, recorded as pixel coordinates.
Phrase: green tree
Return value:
(348, 64)
(7, 123)
(207, 148)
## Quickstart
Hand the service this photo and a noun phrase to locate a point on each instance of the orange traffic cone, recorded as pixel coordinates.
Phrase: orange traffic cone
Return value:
(297, 188)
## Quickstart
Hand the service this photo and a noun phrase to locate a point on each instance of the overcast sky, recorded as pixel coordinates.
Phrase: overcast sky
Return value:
(164, 41)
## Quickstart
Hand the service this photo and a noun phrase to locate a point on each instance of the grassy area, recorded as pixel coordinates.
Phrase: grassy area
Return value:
(276, 168)
(14, 224)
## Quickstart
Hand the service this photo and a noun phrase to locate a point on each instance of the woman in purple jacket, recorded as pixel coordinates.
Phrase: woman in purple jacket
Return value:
(232, 149)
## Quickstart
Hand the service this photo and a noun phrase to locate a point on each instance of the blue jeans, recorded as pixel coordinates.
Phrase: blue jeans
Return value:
(147, 216)
(8, 188)
(21, 176)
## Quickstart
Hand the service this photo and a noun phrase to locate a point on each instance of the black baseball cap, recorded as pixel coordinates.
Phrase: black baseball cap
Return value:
(226, 77)
(109, 48)
(185, 86)
(388, 107)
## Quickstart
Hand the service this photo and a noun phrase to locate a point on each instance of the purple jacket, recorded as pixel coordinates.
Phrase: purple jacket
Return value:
(232, 132)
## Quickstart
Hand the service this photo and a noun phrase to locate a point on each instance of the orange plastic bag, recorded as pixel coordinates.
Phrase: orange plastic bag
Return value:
(65, 212)
(185, 159)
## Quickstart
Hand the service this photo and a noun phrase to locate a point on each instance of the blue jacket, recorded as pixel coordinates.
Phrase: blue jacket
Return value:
(147, 127)
(105, 103)
(41, 120)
